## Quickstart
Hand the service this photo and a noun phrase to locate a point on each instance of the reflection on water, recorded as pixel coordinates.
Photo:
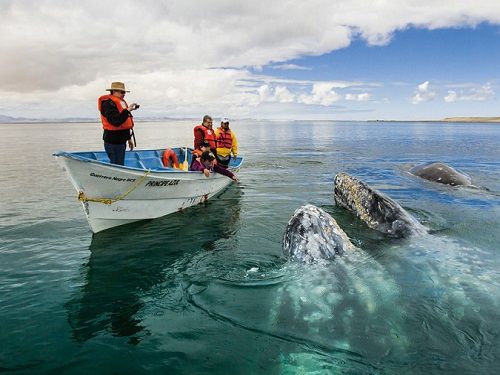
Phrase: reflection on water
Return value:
(208, 291)
(127, 261)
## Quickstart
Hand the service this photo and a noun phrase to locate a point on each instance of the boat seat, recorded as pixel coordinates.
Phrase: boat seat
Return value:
(152, 163)
(134, 163)
(131, 155)
(146, 154)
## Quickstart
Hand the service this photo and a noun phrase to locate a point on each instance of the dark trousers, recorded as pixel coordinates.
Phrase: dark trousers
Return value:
(116, 152)
(223, 162)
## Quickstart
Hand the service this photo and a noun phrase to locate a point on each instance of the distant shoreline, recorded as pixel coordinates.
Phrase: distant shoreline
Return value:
(80, 121)
(450, 120)
(88, 120)
(472, 119)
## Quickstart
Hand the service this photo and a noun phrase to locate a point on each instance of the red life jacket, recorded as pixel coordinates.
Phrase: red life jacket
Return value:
(120, 105)
(208, 135)
(170, 158)
(224, 139)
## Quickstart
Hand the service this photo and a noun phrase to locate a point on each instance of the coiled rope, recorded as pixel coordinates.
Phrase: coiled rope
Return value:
(83, 198)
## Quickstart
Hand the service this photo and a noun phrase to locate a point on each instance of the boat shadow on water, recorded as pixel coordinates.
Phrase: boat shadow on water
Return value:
(128, 261)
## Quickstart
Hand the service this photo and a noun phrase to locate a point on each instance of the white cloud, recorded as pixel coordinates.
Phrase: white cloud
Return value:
(256, 79)
(423, 86)
(50, 49)
(290, 67)
(322, 93)
(283, 95)
(363, 97)
(278, 94)
(480, 94)
(51, 45)
(451, 97)
(423, 93)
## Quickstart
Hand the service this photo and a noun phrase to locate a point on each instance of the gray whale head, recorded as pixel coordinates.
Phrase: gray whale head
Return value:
(377, 210)
(440, 173)
(313, 234)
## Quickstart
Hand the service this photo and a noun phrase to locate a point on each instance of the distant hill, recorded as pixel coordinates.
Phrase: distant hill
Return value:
(7, 118)
(24, 120)
(472, 119)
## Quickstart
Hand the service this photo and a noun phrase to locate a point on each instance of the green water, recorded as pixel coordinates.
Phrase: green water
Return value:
(208, 291)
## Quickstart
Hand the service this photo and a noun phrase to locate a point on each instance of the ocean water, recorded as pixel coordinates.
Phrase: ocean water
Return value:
(207, 290)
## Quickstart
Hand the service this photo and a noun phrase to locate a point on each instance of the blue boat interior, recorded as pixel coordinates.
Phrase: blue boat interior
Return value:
(144, 159)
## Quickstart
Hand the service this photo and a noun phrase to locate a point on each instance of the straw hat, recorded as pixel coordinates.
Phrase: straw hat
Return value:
(117, 86)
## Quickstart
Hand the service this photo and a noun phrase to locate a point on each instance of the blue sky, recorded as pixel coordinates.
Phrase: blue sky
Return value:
(458, 59)
(323, 59)
(413, 55)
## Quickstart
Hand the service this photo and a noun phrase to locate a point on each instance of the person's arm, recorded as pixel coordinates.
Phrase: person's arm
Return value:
(198, 166)
(217, 168)
(234, 149)
(198, 138)
(115, 118)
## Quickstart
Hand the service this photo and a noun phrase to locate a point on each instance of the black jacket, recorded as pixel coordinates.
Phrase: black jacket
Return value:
(115, 118)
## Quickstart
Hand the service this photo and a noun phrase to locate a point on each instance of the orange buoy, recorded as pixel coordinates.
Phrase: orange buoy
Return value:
(170, 158)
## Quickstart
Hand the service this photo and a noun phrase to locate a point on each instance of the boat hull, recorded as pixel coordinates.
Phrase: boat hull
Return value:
(113, 195)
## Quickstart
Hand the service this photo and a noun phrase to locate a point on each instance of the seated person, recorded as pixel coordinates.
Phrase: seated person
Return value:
(204, 146)
(170, 159)
(227, 143)
(205, 163)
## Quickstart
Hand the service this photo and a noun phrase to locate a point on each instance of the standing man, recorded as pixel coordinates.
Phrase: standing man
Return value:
(204, 132)
(226, 143)
(117, 122)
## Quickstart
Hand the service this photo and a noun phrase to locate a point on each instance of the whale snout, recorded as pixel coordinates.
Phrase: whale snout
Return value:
(376, 209)
(313, 234)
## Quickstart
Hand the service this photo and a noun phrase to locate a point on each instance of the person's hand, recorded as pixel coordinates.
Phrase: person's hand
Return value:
(130, 144)
(234, 178)
(133, 107)
(206, 172)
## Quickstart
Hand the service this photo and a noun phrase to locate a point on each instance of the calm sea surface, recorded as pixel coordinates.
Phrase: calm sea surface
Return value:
(208, 291)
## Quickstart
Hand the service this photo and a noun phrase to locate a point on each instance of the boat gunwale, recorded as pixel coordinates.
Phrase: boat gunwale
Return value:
(75, 156)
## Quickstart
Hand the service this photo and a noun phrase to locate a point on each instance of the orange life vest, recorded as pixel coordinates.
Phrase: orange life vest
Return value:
(224, 139)
(169, 158)
(208, 135)
(120, 105)
(197, 153)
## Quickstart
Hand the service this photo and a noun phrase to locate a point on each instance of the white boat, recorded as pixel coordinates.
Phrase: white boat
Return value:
(143, 188)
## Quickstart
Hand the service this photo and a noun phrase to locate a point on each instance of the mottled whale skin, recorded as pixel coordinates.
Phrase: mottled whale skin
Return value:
(440, 173)
(312, 234)
(376, 209)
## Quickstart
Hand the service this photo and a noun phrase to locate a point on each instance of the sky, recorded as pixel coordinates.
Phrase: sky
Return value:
(264, 59)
